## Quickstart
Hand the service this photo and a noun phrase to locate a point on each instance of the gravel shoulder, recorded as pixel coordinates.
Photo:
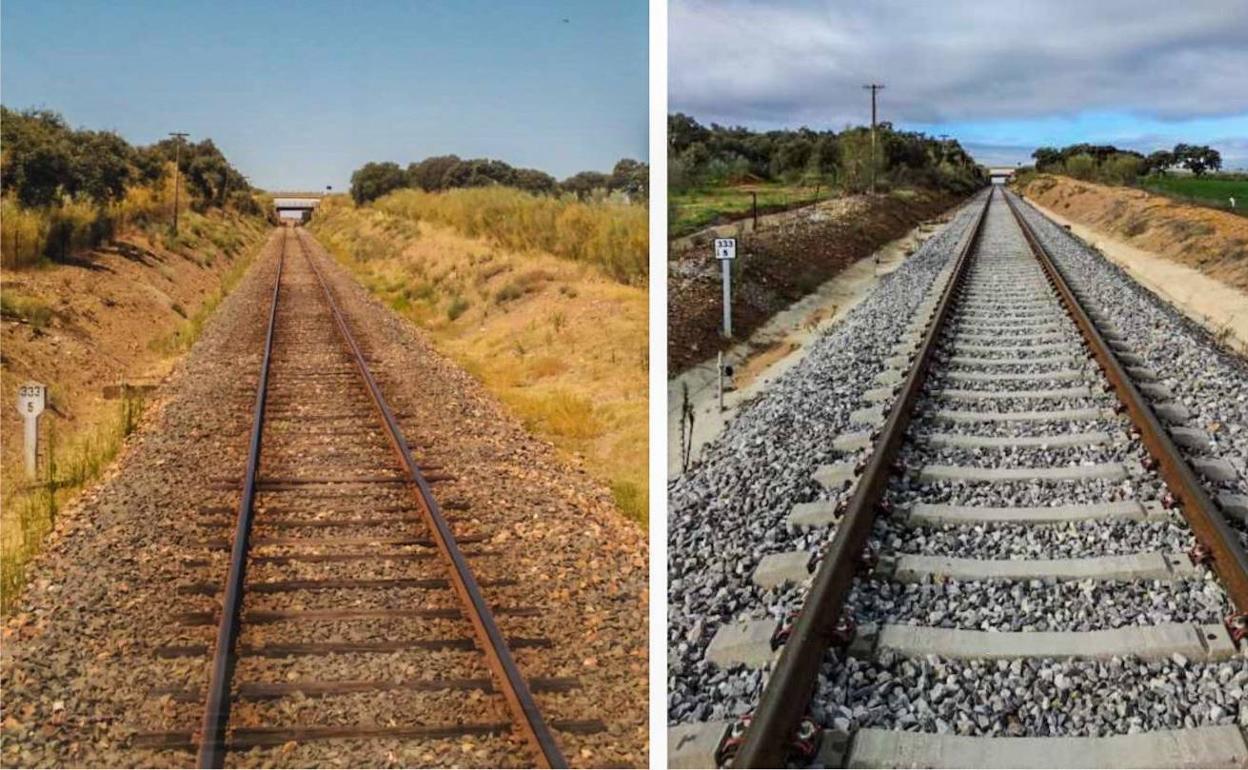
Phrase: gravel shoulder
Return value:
(77, 664)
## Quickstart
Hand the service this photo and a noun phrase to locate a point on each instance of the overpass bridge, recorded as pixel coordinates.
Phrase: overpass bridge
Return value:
(1001, 174)
(296, 205)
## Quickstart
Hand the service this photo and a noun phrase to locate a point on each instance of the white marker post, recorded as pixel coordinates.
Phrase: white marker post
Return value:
(725, 252)
(32, 398)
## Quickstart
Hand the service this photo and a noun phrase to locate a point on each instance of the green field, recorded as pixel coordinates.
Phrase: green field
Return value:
(693, 210)
(1210, 190)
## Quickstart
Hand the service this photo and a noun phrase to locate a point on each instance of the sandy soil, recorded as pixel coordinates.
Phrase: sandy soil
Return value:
(1221, 308)
(1212, 242)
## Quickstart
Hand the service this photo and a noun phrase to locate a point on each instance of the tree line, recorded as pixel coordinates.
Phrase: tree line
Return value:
(448, 172)
(65, 190)
(1107, 163)
(711, 155)
(45, 162)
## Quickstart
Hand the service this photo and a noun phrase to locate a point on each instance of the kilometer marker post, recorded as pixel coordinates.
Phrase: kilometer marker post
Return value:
(726, 252)
(32, 399)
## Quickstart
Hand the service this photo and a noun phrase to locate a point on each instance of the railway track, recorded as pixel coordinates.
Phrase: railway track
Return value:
(349, 612)
(1007, 414)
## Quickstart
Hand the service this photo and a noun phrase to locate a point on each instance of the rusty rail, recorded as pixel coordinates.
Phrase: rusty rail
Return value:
(786, 697)
(217, 706)
(513, 686)
(1211, 530)
(212, 743)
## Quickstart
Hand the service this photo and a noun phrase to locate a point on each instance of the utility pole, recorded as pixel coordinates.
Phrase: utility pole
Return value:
(874, 88)
(177, 163)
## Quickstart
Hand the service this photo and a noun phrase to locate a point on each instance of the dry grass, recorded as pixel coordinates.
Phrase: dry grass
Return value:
(76, 448)
(558, 341)
(610, 234)
(31, 509)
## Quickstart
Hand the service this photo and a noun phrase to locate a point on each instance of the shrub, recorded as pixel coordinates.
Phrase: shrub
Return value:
(458, 307)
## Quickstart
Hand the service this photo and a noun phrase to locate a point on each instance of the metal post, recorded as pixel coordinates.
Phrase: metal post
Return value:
(754, 195)
(720, 366)
(727, 266)
(177, 163)
(32, 446)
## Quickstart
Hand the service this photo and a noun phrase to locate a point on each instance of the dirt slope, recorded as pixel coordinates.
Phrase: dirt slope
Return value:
(118, 313)
(1213, 242)
(559, 342)
(789, 257)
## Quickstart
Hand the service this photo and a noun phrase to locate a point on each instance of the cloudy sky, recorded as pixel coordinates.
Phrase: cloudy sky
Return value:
(1002, 77)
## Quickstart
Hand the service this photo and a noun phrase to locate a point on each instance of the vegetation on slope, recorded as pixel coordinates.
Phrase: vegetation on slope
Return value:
(606, 231)
(518, 290)
(69, 190)
(96, 287)
(1107, 164)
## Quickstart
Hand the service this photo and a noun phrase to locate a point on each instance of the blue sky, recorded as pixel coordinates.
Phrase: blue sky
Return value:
(1001, 77)
(299, 94)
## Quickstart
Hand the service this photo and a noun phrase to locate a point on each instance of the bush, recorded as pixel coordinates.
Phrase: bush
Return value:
(458, 307)
(1081, 166)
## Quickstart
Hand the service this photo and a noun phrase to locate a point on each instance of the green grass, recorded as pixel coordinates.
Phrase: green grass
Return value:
(693, 210)
(32, 310)
(1209, 190)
